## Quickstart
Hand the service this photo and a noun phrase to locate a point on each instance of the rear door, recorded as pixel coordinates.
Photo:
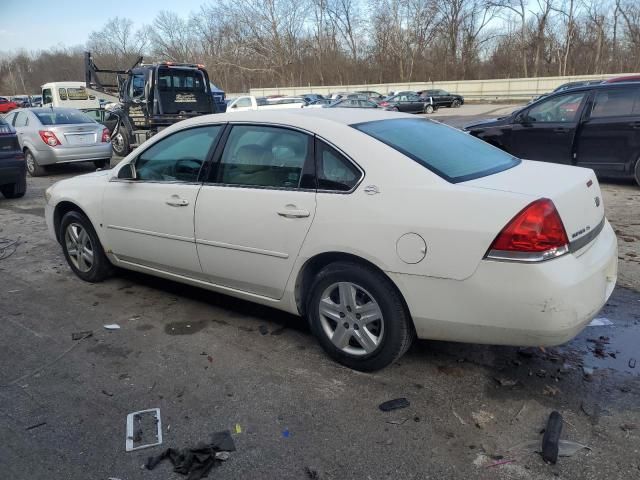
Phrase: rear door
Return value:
(608, 140)
(254, 213)
(546, 131)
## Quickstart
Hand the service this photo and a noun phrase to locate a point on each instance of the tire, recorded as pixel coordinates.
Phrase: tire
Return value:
(15, 190)
(637, 172)
(33, 168)
(362, 346)
(120, 142)
(395, 109)
(455, 103)
(428, 109)
(102, 163)
(98, 267)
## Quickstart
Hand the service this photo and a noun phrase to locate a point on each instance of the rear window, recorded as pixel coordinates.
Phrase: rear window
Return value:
(62, 118)
(183, 80)
(450, 153)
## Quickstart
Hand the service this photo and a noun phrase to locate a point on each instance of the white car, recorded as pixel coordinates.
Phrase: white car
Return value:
(249, 102)
(375, 226)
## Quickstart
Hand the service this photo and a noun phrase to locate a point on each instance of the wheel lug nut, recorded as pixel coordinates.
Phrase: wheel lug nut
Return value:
(341, 314)
(348, 309)
(358, 316)
(346, 325)
(355, 326)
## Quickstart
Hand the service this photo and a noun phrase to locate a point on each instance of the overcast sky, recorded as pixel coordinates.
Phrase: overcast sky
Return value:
(40, 24)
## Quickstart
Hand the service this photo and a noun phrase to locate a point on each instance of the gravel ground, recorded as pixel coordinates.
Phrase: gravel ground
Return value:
(211, 363)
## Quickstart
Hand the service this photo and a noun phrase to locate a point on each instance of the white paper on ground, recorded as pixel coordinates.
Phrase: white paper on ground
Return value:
(600, 322)
(112, 326)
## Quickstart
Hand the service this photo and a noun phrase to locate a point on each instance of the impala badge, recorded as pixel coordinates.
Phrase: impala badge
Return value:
(597, 200)
(371, 190)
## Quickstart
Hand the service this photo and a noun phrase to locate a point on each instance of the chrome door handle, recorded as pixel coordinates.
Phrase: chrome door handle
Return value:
(176, 201)
(291, 213)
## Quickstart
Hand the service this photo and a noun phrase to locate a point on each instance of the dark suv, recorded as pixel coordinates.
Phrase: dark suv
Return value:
(13, 168)
(442, 98)
(596, 127)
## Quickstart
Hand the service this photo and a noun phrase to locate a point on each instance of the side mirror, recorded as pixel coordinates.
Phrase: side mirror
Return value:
(128, 172)
(234, 106)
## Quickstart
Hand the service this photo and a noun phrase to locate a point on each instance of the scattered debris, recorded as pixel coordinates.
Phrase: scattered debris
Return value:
(394, 404)
(567, 448)
(522, 409)
(451, 371)
(551, 438)
(238, 428)
(37, 425)
(198, 461)
(398, 421)
(285, 433)
(627, 427)
(134, 317)
(588, 371)
(600, 322)
(482, 418)
(80, 335)
(550, 391)
(210, 358)
(632, 363)
(263, 330)
(136, 437)
(107, 393)
(312, 473)
(506, 382)
(460, 419)
(112, 326)
(223, 456)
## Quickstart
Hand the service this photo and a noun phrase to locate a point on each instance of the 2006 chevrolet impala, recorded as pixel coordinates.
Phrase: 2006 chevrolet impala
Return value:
(375, 226)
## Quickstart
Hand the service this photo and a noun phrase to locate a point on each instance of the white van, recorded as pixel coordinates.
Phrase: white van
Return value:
(68, 94)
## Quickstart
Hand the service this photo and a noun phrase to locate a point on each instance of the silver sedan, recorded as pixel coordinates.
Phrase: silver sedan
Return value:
(59, 135)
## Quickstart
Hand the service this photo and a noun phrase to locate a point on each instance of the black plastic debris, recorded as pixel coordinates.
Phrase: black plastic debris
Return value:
(196, 462)
(551, 438)
(81, 335)
(394, 404)
(263, 330)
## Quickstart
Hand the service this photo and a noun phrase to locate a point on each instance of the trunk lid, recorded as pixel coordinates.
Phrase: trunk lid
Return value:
(78, 135)
(575, 192)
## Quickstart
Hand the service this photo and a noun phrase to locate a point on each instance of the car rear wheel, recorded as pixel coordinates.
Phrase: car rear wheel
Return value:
(637, 172)
(33, 168)
(82, 248)
(358, 316)
(455, 103)
(15, 190)
(428, 109)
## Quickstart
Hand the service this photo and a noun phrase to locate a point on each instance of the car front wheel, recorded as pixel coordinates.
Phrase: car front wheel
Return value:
(455, 103)
(359, 317)
(82, 248)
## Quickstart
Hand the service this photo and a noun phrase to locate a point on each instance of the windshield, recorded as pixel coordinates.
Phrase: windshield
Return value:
(450, 153)
(65, 117)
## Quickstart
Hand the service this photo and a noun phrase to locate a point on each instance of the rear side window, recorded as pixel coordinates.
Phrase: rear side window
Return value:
(450, 153)
(333, 171)
(615, 103)
(66, 117)
(22, 120)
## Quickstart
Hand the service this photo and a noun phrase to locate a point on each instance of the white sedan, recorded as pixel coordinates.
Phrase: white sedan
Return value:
(377, 227)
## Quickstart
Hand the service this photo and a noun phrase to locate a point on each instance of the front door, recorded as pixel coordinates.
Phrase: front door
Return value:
(546, 131)
(254, 213)
(609, 140)
(149, 220)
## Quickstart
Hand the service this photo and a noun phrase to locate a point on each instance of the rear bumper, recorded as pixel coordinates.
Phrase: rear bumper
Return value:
(12, 171)
(53, 155)
(506, 303)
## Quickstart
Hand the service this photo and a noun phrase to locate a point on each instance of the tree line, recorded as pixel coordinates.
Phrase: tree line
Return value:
(267, 43)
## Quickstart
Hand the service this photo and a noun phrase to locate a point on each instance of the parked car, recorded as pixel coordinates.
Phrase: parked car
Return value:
(409, 104)
(596, 127)
(568, 86)
(218, 98)
(13, 173)
(321, 102)
(36, 100)
(376, 226)
(249, 102)
(442, 98)
(371, 94)
(7, 105)
(69, 95)
(311, 97)
(624, 78)
(353, 103)
(23, 101)
(49, 135)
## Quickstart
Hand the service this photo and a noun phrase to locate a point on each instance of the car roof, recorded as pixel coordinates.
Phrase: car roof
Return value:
(50, 109)
(307, 119)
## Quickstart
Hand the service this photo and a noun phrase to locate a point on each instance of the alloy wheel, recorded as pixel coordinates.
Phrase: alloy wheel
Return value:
(351, 318)
(117, 143)
(31, 163)
(79, 247)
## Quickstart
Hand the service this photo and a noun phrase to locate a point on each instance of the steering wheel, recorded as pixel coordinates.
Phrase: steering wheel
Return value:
(185, 167)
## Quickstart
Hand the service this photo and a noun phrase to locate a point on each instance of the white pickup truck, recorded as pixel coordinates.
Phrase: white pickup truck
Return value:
(249, 102)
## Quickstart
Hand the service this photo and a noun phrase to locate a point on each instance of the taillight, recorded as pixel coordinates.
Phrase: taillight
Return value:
(533, 235)
(105, 135)
(49, 138)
